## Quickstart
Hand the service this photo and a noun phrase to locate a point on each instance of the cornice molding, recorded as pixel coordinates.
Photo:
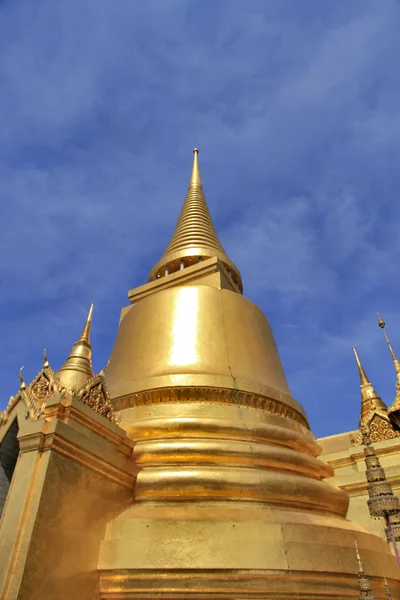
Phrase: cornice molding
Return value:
(211, 395)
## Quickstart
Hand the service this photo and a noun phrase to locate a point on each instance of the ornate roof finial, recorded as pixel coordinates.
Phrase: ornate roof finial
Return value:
(387, 589)
(371, 402)
(382, 325)
(194, 238)
(77, 369)
(45, 361)
(363, 581)
(20, 377)
(394, 410)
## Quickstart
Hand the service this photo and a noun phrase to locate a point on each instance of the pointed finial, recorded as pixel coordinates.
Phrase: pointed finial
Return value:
(382, 325)
(195, 179)
(363, 377)
(85, 336)
(387, 589)
(194, 238)
(363, 581)
(77, 369)
(45, 361)
(20, 377)
(104, 369)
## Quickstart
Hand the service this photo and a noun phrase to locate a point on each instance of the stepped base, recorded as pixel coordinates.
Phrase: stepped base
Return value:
(237, 551)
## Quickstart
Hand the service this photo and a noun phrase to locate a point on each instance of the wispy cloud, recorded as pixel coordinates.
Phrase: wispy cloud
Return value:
(295, 109)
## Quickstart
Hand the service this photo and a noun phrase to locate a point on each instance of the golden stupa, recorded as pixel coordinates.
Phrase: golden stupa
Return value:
(203, 482)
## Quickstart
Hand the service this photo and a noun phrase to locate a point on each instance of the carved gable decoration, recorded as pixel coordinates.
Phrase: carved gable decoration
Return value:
(95, 395)
(379, 428)
(42, 389)
(45, 385)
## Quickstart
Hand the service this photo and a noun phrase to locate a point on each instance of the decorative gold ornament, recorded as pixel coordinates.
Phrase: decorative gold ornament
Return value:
(95, 395)
(41, 388)
(380, 429)
(67, 381)
(374, 412)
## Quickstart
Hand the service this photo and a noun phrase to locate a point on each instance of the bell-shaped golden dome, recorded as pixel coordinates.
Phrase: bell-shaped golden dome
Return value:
(230, 499)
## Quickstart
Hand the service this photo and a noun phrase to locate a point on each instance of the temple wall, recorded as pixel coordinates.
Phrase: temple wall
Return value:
(75, 506)
(74, 473)
(347, 459)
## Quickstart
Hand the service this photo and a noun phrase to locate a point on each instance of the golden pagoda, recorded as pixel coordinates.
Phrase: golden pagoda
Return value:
(363, 581)
(186, 469)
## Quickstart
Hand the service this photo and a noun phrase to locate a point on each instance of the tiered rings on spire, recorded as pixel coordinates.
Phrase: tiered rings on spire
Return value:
(194, 238)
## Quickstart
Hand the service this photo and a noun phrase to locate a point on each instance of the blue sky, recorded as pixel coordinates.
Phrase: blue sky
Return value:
(295, 108)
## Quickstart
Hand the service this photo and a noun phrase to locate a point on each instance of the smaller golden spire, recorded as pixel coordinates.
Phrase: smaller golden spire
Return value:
(77, 369)
(85, 336)
(370, 399)
(387, 589)
(382, 325)
(363, 581)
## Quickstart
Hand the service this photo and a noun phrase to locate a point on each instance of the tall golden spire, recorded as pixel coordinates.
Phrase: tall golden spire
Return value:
(194, 238)
(370, 399)
(77, 369)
